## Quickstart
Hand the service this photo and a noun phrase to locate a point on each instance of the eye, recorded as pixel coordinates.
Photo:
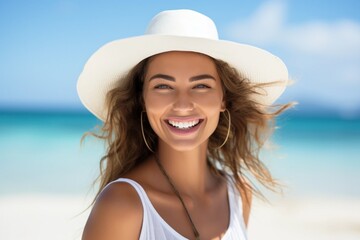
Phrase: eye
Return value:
(201, 86)
(162, 86)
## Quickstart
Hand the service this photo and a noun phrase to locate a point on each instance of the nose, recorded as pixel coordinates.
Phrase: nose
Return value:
(183, 102)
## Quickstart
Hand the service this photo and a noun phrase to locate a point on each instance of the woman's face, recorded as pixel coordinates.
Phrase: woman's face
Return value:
(183, 98)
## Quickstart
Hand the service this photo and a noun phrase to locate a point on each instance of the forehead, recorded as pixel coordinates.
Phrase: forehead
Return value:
(191, 62)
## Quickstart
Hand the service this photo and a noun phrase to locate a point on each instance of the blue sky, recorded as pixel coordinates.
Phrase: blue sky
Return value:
(44, 45)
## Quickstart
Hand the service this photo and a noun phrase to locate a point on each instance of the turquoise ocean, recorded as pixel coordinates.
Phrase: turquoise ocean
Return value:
(40, 153)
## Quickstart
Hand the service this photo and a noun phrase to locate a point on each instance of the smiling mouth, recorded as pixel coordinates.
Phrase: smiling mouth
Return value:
(184, 125)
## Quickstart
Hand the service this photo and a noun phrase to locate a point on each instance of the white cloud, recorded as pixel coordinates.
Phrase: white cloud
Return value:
(336, 39)
(322, 56)
(263, 26)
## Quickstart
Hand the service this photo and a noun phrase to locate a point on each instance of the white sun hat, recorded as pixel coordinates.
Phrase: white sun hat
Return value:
(176, 30)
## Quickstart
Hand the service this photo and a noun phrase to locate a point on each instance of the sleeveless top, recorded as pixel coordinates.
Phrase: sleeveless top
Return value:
(155, 227)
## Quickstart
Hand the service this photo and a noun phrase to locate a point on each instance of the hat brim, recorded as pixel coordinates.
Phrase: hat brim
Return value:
(109, 63)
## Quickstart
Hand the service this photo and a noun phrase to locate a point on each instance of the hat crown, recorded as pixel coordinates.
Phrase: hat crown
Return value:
(183, 22)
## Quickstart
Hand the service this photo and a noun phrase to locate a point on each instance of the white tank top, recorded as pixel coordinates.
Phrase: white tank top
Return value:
(155, 227)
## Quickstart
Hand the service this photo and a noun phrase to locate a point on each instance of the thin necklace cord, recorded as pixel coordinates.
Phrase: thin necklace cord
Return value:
(196, 233)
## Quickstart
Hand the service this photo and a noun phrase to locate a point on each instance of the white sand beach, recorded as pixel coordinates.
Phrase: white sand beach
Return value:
(42, 217)
(307, 218)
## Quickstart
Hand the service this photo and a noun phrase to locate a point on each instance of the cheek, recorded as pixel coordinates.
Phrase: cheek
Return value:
(212, 102)
(212, 105)
(155, 103)
(155, 106)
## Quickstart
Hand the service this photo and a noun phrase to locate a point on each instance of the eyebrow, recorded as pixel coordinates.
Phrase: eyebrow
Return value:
(201, 77)
(192, 79)
(163, 76)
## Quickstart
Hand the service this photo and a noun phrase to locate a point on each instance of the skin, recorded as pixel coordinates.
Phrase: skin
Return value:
(179, 86)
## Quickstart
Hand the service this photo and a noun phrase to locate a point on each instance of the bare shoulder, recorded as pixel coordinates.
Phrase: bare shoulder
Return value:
(117, 214)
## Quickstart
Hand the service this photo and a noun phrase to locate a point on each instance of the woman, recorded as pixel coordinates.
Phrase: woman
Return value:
(184, 117)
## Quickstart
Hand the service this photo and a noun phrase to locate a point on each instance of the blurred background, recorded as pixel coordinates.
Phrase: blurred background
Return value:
(46, 175)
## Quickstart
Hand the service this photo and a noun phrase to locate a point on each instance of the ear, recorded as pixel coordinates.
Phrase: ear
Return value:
(223, 106)
(142, 103)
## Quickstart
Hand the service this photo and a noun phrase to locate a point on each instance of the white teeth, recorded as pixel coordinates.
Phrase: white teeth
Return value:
(183, 125)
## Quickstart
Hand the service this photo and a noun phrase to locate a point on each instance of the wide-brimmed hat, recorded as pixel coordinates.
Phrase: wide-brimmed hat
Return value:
(176, 30)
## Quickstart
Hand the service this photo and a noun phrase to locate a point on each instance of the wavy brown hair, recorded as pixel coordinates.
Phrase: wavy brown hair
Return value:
(239, 156)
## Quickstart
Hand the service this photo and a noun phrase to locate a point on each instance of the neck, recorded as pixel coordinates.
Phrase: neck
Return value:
(188, 170)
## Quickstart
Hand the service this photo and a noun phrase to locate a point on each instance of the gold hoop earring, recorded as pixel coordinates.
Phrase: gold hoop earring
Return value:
(228, 131)
(143, 134)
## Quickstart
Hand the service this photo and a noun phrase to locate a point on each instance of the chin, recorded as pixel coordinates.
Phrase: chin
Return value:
(185, 146)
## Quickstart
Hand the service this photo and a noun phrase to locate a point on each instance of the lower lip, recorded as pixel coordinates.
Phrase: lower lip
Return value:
(184, 131)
